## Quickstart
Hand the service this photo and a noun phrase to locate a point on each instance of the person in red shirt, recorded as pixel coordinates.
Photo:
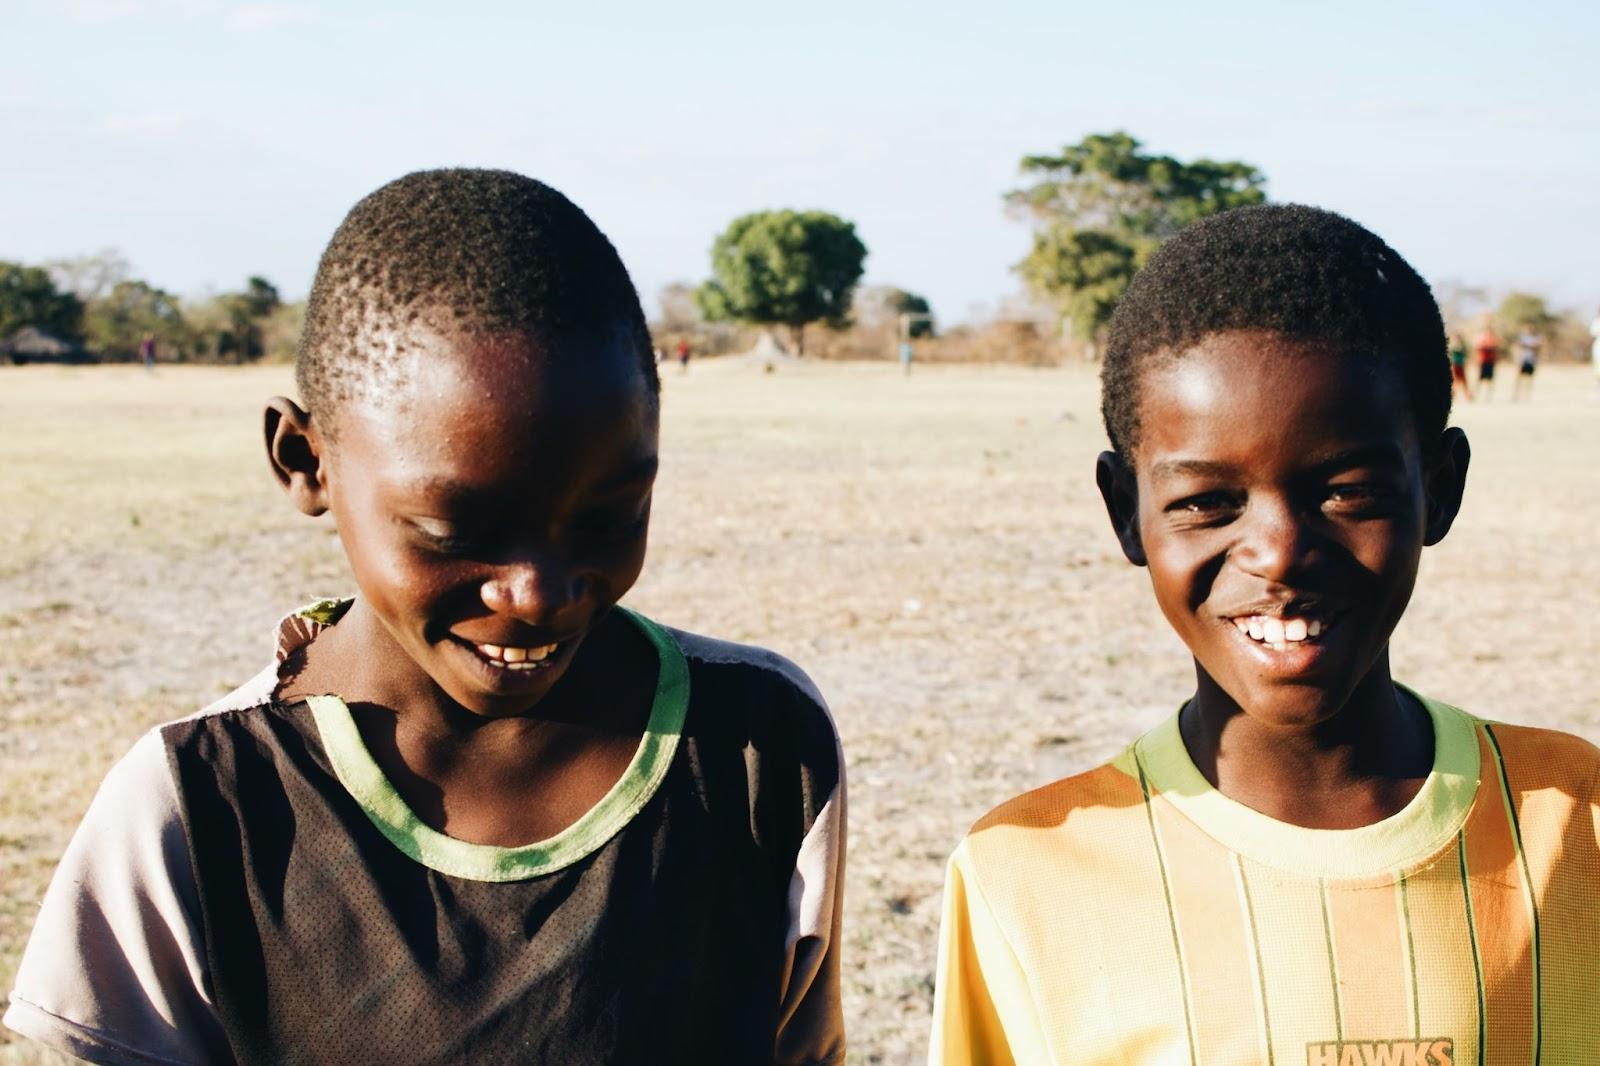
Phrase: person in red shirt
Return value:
(1488, 354)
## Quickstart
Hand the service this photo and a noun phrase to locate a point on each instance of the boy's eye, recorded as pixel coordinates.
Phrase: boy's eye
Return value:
(444, 537)
(611, 527)
(1362, 498)
(1203, 505)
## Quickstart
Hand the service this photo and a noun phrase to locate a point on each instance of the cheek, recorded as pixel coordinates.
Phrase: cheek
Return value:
(1182, 569)
(389, 572)
(1391, 555)
(617, 575)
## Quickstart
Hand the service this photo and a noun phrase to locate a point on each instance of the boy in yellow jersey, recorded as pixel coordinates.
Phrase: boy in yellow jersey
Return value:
(1307, 865)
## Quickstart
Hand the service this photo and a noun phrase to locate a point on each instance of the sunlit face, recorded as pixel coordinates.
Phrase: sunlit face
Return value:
(495, 506)
(1282, 507)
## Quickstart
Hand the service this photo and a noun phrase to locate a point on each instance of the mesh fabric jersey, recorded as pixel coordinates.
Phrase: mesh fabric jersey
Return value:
(1133, 914)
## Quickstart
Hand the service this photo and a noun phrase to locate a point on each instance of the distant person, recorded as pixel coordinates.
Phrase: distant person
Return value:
(1594, 350)
(1528, 343)
(1308, 864)
(479, 813)
(1488, 346)
(905, 356)
(683, 356)
(147, 351)
(1458, 366)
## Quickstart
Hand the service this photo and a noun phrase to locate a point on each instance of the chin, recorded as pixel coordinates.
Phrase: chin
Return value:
(1288, 706)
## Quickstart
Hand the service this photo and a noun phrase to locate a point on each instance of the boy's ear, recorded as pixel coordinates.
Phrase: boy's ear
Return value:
(295, 450)
(1445, 482)
(1120, 491)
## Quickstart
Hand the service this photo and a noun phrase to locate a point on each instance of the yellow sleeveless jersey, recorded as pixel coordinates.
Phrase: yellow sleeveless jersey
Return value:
(1134, 914)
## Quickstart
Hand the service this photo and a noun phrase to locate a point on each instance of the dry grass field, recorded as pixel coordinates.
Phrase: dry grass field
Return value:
(931, 549)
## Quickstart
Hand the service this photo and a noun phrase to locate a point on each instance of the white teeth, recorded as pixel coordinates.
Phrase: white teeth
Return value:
(1279, 633)
(516, 658)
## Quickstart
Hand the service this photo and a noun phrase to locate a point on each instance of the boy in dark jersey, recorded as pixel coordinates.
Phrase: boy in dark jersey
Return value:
(479, 813)
(1308, 864)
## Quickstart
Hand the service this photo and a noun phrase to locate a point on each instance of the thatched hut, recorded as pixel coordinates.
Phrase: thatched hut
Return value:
(33, 345)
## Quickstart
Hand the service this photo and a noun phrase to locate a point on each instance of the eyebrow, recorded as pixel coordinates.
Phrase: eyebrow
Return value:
(1363, 455)
(627, 477)
(1191, 468)
(1366, 455)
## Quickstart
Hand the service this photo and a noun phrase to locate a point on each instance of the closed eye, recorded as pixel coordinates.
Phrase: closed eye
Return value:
(612, 527)
(444, 537)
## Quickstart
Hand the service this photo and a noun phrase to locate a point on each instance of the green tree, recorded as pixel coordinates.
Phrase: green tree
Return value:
(1102, 206)
(28, 297)
(910, 303)
(784, 268)
(231, 322)
(116, 322)
(1523, 310)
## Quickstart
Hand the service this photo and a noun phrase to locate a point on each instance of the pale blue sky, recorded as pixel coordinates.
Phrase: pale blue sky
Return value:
(209, 139)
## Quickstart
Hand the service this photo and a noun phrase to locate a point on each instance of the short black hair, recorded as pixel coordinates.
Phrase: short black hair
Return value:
(490, 250)
(1301, 272)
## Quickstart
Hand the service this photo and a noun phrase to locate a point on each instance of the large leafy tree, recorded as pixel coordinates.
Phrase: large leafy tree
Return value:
(1099, 209)
(784, 268)
(116, 322)
(29, 297)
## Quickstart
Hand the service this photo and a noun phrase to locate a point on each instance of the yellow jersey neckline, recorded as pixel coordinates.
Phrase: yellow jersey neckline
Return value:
(1417, 831)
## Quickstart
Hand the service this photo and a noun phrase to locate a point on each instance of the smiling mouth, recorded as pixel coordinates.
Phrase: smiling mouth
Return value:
(518, 659)
(1281, 632)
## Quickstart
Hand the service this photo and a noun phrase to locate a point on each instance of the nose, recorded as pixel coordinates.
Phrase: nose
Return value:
(533, 590)
(1275, 543)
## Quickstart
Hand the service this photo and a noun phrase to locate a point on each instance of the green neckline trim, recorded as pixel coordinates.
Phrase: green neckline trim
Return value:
(359, 773)
(1417, 831)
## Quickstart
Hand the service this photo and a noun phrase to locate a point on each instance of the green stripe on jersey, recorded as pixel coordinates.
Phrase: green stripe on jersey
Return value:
(1527, 887)
(365, 781)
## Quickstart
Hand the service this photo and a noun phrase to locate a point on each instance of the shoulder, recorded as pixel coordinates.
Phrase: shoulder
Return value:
(1067, 821)
(726, 660)
(1061, 803)
(114, 968)
(759, 737)
(1535, 758)
(137, 793)
(752, 690)
(243, 708)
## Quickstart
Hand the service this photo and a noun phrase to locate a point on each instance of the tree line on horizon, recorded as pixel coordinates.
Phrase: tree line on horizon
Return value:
(93, 302)
(1097, 209)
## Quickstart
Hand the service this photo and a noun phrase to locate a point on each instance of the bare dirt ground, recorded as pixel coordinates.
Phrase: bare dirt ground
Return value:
(931, 549)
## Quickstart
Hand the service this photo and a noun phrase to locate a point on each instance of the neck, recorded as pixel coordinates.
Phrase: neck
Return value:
(1359, 766)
